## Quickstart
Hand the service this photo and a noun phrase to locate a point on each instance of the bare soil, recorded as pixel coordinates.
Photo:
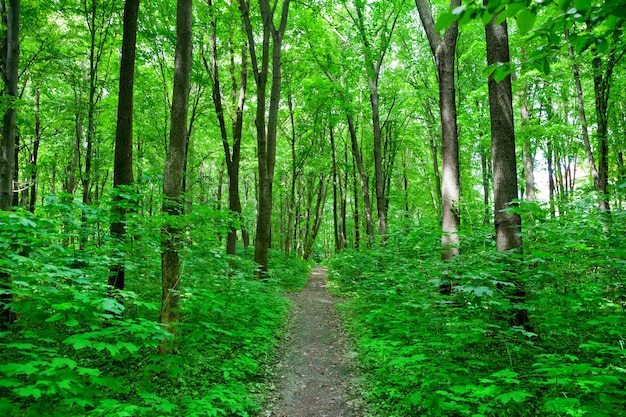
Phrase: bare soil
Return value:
(315, 375)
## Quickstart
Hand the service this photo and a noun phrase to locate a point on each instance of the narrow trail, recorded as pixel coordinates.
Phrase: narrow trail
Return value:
(314, 377)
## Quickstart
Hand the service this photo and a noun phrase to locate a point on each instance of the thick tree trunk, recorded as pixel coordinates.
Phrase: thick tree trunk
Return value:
(443, 50)
(507, 224)
(172, 176)
(10, 61)
(123, 159)
(502, 142)
(486, 169)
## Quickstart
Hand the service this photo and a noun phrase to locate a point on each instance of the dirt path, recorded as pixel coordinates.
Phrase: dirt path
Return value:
(315, 377)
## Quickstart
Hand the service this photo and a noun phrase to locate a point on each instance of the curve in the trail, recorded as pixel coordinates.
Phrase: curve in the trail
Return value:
(315, 378)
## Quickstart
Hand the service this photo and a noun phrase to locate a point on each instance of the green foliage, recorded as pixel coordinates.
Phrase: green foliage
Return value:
(427, 353)
(79, 349)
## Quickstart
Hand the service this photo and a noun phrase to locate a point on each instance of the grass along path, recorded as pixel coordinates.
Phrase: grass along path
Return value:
(314, 377)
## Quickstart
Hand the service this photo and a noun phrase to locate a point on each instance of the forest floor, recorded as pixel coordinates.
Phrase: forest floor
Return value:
(315, 375)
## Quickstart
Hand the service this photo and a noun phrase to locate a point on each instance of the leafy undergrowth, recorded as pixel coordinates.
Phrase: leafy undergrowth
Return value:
(76, 349)
(425, 353)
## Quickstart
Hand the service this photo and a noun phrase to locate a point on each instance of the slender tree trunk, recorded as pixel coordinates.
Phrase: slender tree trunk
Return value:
(355, 202)
(583, 119)
(434, 154)
(266, 130)
(172, 176)
(9, 59)
(34, 155)
(443, 50)
(336, 226)
(233, 156)
(373, 62)
(292, 188)
(123, 159)
(527, 154)
(314, 220)
(601, 88)
(367, 206)
(551, 184)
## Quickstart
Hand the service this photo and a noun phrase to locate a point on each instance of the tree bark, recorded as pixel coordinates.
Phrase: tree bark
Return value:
(172, 176)
(233, 156)
(367, 205)
(336, 225)
(10, 62)
(502, 141)
(35, 155)
(123, 159)
(266, 129)
(373, 62)
(443, 50)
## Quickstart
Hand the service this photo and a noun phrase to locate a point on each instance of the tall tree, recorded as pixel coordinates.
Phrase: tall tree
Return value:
(123, 160)
(238, 96)
(507, 223)
(376, 40)
(266, 128)
(173, 172)
(443, 50)
(504, 161)
(9, 59)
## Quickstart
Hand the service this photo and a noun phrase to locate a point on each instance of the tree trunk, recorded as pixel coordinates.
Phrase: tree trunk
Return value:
(373, 63)
(367, 205)
(336, 226)
(10, 61)
(172, 176)
(34, 155)
(123, 159)
(486, 177)
(233, 156)
(355, 202)
(507, 224)
(583, 119)
(314, 227)
(601, 88)
(266, 130)
(443, 50)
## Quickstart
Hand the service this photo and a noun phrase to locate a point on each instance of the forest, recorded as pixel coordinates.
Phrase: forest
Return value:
(170, 170)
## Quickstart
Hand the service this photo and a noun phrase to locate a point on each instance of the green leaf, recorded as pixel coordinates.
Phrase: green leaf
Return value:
(583, 5)
(72, 323)
(61, 362)
(445, 20)
(10, 383)
(55, 317)
(88, 371)
(29, 391)
(525, 21)
(517, 396)
(79, 341)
